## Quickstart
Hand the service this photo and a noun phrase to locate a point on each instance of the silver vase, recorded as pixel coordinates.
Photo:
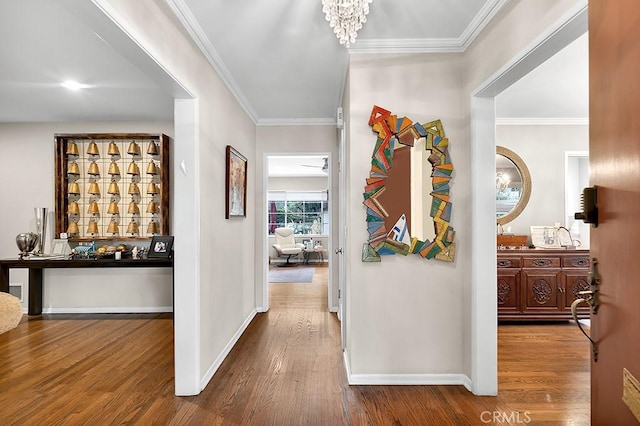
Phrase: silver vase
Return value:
(41, 228)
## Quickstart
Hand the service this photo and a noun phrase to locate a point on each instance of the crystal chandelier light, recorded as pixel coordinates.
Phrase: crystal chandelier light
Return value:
(346, 17)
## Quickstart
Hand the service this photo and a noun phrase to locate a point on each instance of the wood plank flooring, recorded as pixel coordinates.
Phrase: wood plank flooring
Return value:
(285, 370)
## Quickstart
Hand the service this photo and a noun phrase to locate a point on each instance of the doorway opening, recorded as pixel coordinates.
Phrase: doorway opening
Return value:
(298, 199)
(484, 248)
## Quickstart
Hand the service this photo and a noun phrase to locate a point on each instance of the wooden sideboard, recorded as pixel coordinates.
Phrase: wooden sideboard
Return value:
(541, 284)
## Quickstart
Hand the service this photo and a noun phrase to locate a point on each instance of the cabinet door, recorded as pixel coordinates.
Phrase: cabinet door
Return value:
(575, 282)
(508, 290)
(541, 290)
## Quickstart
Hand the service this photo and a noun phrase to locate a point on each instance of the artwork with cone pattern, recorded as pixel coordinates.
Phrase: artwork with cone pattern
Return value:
(112, 186)
(384, 239)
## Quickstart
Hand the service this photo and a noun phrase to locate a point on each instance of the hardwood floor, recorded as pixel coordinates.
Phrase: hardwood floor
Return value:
(286, 369)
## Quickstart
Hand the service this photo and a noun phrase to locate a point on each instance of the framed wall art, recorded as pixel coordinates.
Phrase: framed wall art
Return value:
(236, 184)
(112, 186)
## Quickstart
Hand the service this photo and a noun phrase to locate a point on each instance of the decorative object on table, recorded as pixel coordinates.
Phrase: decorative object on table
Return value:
(511, 240)
(26, 243)
(10, 312)
(235, 184)
(161, 246)
(90, 185)
(545, 237)
(346, 17)
(389, 214)
(60, 247)
(565, 239)
(41, 229)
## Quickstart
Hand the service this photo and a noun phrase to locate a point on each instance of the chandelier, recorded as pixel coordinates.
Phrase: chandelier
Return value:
(346, 17)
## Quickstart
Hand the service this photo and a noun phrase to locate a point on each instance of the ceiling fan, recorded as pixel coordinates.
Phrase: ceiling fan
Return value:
(324, 167)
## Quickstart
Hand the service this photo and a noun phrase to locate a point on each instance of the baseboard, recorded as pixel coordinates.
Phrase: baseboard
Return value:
(110, 310)
(218, 362)
(405, 379)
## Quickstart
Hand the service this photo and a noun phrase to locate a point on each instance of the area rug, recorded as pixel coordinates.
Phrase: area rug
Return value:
(291, 275)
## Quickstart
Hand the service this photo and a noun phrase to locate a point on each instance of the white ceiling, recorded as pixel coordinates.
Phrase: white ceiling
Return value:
(280, 58)
(296, 166)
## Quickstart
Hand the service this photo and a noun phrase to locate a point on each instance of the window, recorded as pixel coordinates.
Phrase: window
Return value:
(305, 212)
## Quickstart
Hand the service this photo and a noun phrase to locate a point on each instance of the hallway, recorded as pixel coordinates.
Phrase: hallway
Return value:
(287, 369)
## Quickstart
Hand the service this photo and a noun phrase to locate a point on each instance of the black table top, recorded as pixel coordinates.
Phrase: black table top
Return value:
(86, 263)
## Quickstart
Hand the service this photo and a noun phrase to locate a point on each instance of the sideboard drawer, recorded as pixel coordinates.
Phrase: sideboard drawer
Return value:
(541, 262)
(509, 262)
(576, 262)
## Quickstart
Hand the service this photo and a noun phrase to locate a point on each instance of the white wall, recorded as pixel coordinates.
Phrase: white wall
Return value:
(221, 292)
(298, 183)
(405, 314)
(27, 170)
(543, 148)
(292, 140)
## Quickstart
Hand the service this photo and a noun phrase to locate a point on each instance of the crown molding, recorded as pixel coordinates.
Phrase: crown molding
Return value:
(184, 15)
(488, 11)
(375, 46)
(406, 45)
(543, 121)
(445, 45)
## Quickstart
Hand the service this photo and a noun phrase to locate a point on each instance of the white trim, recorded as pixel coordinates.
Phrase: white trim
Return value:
(488, 11)
(186, 216)
(147, 63)
(296, 122)
(484, 307)
(405, 379)
(110, 310)
(411, 379)
(540, 121)
(333, 309)
(218, 362)
(431, 45)
(406, 45)
(568, 28)
(184, 15)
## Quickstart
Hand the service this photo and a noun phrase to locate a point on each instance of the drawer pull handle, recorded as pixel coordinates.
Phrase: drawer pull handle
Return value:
(541, 262)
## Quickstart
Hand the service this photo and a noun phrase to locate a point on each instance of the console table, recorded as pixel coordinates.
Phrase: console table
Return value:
(541, 284)
(36, 267)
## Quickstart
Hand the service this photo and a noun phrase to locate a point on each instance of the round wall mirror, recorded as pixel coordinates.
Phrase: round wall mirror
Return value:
(513, 185)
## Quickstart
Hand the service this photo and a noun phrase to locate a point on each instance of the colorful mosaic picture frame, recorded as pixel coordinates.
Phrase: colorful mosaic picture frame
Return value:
(391, 131)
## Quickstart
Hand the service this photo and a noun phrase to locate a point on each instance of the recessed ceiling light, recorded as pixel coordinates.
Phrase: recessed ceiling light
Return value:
(73, 85)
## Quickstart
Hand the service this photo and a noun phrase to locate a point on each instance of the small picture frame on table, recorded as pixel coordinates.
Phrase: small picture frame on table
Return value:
(161, 247)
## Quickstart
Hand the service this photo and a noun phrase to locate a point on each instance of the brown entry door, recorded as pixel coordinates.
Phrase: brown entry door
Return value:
(614, 151)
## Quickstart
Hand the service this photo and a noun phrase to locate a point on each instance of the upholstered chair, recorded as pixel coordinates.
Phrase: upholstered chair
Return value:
(285, 244)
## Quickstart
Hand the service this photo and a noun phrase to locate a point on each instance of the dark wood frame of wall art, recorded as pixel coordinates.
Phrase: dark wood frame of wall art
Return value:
(62, 181)
(231, 151)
